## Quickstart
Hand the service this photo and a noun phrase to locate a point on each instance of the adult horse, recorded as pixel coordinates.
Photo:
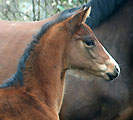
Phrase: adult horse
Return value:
(16, 35)
(99, 100)
(20, 34)
(35, 91)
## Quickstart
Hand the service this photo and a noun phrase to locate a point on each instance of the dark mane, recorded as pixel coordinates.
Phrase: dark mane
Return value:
(101, 9)
(17, 78)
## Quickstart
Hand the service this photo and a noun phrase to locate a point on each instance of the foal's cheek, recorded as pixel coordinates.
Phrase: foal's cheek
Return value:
(75, 53)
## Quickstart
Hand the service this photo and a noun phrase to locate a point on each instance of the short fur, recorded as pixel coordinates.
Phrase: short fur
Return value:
(96, 99)
(17, 78)
(58, 46)
(19, 34)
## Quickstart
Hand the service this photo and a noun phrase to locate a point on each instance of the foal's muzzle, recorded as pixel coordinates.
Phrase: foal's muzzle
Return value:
(113, 75)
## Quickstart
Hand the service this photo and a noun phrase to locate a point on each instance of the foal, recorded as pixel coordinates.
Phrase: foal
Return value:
(35, 91)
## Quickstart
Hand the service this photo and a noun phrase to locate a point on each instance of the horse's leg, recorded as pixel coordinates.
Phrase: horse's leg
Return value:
(127, 114)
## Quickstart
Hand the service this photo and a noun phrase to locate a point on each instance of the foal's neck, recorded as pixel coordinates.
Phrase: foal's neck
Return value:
(44, 73)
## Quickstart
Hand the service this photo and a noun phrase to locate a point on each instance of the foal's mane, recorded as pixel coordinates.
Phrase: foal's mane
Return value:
(17, 78)
(101, 9)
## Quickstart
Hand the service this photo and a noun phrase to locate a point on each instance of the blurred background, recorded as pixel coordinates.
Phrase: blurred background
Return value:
(34, 10)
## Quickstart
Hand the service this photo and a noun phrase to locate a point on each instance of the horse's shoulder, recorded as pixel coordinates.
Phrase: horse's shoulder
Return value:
(20, 104)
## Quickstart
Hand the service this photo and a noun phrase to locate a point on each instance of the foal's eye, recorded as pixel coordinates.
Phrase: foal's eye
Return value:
(89, 42)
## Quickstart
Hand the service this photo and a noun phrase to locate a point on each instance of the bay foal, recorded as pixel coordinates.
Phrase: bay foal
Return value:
(35, 91)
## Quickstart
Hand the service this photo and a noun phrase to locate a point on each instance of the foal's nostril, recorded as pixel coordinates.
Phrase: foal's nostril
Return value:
(114, 74)
(116, 69)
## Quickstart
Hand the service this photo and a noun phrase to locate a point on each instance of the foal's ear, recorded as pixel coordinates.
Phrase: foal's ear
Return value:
(77, 18)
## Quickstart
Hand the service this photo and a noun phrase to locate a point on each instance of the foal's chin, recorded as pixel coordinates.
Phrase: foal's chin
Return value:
(109, 76)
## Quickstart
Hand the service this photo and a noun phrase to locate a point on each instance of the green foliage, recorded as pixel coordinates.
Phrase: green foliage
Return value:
(34, 10)
(60, 7)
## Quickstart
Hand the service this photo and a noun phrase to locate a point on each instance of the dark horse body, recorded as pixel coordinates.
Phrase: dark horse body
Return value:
(36, 90)
(95, 100)
(99, 100)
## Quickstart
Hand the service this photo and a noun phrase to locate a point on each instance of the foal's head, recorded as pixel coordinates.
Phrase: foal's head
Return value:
(83, 51)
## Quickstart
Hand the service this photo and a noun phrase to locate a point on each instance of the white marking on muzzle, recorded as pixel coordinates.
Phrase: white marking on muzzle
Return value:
(111, 60)
(102, 67)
